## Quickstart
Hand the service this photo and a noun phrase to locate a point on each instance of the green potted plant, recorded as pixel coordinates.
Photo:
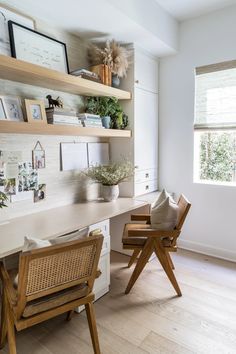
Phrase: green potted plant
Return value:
(3, 199)
(110, 111)
(110, 176)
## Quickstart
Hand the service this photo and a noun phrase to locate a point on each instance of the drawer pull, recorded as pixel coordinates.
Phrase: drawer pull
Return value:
(147, 175)
(137, 81)
(147, 187)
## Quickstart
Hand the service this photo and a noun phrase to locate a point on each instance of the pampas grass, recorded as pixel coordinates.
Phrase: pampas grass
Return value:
(113, 55)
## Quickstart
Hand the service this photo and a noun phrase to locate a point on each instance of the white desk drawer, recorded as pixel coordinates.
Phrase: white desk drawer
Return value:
(104, 226)
(145, 175)
(145, 187)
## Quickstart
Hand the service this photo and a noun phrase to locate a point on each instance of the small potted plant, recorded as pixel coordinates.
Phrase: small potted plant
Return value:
(110, 111)
(3, 199)
(110, 176)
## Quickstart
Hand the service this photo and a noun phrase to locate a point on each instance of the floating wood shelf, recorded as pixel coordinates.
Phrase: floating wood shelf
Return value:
(50, 129)
(27, 73)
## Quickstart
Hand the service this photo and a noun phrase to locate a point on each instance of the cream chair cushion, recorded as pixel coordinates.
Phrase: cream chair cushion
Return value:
(165, 215)
(162, 196)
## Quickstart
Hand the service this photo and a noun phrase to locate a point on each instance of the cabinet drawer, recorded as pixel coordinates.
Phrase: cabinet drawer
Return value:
(145, 175)
(145, 187)
(103, 281)
(104, 226)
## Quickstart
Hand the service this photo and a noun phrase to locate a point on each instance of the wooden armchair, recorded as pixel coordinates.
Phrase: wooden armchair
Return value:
(52, 280)
(144, 240)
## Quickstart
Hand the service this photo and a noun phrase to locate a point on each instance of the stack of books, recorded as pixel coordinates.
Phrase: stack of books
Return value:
(104, 73)
(63, 116)
(86, 74)
(90, 120)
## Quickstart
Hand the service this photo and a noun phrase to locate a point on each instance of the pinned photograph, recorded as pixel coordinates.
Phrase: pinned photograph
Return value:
(27, 177)
(40, 193)
(10, 186)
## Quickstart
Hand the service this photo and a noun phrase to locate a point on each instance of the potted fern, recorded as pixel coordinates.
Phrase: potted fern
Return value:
(109, 109)
(110, 176)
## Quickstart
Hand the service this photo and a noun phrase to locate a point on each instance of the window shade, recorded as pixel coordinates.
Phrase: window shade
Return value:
(215, 96)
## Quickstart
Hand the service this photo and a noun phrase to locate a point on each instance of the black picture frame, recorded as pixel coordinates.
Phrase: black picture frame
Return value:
(13, 25)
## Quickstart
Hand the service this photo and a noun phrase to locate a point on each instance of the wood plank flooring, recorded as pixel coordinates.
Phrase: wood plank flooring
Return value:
(151, 319)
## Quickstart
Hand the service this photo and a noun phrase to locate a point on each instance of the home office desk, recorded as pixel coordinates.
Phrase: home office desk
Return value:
(58, 221)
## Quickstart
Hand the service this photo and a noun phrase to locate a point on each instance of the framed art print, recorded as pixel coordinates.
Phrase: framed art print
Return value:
(8, 14)
(11, 105)
(37, 48)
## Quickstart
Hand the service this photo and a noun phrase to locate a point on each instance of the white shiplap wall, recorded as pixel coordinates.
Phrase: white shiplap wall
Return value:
(62, 187)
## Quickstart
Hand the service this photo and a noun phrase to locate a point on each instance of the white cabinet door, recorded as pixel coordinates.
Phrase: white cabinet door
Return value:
(146, 129)
(146, 72)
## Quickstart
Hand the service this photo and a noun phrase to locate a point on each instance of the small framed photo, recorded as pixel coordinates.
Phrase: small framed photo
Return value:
(2, 111)
(39, 159)
(35, 111)
(12, 107)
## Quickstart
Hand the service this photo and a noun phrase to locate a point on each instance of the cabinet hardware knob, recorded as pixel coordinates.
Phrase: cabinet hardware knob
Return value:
(147, 175)
(137, 81)
(147, 187)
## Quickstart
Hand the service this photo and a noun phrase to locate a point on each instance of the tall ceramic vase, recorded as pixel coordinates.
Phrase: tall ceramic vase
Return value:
(110, 193)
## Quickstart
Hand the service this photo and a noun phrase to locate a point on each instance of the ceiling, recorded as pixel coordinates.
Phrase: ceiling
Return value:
(150, 24)
(186, 9)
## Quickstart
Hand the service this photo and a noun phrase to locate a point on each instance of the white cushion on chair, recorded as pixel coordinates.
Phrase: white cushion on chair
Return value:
(31, 243)
(162, 196)
(165, 215)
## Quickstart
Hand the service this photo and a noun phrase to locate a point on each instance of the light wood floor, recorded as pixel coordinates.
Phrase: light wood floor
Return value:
(151, 319)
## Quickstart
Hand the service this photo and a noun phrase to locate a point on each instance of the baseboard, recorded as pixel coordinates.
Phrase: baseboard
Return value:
(208, 250)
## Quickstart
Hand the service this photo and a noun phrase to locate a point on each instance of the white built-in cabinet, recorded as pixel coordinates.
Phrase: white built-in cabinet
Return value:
(142, 148)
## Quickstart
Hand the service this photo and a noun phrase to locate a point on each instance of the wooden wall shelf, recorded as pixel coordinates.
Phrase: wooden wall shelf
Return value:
(50, 129)
(17, 70)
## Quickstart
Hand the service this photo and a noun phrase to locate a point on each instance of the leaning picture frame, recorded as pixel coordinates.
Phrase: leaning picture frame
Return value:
(35, 111)
(9, 14)
(12, 107)
(37, 48)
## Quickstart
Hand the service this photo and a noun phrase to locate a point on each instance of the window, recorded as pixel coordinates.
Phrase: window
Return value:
(215, 124)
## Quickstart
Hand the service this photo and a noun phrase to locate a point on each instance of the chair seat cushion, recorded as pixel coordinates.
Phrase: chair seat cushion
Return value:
(137, 241)
(54, 300)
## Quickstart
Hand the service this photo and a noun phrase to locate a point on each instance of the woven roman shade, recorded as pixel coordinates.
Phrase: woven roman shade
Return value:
(215, 96)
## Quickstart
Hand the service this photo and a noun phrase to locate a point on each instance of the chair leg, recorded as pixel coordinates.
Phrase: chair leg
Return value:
(133, 257)
(92, 327)
(161, 254)
(142, 261)
(170, 260)
(69, 315)
(11, 332)
(3, 329)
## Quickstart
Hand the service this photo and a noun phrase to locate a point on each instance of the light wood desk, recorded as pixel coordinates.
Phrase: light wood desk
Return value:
(58, 221)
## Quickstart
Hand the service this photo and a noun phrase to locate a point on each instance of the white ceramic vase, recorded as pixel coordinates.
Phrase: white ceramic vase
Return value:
(110, 193)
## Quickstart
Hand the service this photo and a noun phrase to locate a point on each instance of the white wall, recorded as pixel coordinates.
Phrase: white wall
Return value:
(211, 225)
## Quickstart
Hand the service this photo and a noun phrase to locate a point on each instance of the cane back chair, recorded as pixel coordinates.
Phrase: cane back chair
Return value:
(52, 280)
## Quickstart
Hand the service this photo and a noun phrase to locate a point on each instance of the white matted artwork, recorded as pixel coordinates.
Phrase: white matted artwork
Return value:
(2, 111)
(7, 14)
(13, 108)
(98, 154)
(74, 156)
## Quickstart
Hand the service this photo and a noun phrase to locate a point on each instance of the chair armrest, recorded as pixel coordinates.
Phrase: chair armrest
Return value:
(7, 284)
(98, 273)
(141, 217)
(152, 233)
